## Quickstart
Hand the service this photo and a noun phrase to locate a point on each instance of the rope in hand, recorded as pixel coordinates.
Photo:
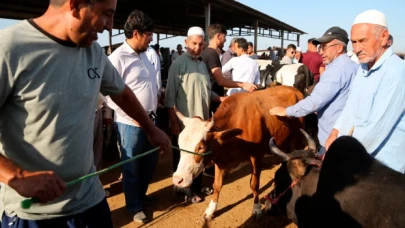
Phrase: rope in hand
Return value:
(26, 204)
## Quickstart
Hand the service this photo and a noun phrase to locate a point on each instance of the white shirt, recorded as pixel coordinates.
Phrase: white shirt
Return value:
(139, 75)
(244, 69)
(286, 75)
(175, 56)
(155, 60)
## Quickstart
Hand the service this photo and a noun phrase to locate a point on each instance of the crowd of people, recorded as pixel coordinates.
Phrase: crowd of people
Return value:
(54, 90)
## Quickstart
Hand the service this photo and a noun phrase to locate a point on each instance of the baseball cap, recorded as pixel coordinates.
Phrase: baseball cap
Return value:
(331, 34)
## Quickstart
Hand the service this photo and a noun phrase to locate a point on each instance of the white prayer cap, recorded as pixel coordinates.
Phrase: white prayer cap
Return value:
(195, 31)
(299, 49)
(371, 17)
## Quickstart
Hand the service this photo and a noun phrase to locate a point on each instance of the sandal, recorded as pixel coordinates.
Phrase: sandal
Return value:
(207, 191)
(193, 198)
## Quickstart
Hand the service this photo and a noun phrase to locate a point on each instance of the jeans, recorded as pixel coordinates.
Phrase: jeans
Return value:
(95, 217)
(136, 175)
(321, 151)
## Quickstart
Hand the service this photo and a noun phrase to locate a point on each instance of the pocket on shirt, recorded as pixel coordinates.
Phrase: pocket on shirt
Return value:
(362, 112)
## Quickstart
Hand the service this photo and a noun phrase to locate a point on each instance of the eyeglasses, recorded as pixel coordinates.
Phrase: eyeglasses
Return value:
(324, 48)
(293, 52)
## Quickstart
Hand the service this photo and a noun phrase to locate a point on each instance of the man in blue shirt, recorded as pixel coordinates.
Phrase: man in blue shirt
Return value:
(330, 94)
(375, 107)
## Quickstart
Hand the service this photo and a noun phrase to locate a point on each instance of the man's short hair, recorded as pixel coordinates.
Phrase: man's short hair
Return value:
(59, 3)
(233, 41)
(242, 43)
(139, 21)
(311, 40)
(391, 38)
(250, 44)
(215, 29)
(292, 46)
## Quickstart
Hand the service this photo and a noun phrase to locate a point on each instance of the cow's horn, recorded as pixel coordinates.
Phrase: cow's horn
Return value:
(310, 141)
(275, 150)
(178, 114)
(211, 124)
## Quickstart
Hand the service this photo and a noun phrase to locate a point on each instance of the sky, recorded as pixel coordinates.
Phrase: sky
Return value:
(314, 19)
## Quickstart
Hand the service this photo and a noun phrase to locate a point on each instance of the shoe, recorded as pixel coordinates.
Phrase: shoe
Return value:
(140, 217)
(149, 200)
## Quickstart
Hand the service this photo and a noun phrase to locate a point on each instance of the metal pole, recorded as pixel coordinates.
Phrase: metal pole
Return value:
(282, 43)
(255, 38)
(157, 38)
(207, 12)
(298, 40)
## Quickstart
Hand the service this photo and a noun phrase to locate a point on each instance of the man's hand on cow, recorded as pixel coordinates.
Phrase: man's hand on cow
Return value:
(278, 111)
(158, 138)
(43, 185)
(249, 87)
(332, 137)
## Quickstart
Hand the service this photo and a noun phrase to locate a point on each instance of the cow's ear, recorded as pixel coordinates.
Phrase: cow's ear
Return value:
(223, 136)
(297, 168)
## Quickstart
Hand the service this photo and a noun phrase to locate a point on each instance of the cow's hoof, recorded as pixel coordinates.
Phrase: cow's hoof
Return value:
(257, 216)
(208, 218)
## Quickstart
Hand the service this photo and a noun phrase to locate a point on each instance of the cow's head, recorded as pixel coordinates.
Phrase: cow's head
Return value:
(197, 136)
(289, 177)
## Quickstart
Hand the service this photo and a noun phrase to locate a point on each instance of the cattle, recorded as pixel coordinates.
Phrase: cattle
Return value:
(352, 189)
(237, 133)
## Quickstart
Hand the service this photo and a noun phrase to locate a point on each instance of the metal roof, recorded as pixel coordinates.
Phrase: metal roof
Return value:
(173, 17)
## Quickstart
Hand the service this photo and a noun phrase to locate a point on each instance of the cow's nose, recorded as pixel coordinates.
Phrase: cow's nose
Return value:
(177, 180)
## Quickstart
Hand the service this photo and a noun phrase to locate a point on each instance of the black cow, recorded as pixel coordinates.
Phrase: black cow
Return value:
(352, 189)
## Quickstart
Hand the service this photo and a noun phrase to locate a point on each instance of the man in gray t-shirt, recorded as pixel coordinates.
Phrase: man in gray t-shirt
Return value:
(51, 71)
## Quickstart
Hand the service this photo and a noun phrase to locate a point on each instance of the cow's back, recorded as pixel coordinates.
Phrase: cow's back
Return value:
(250, 112)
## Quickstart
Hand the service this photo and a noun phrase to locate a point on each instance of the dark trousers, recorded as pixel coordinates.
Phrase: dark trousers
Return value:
(95, 217)
(197, 182)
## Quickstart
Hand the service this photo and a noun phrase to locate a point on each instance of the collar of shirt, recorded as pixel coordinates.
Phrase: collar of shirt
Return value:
(195, 59)
(129, 48)
(244, 55)
(337, 60)
(364, 66)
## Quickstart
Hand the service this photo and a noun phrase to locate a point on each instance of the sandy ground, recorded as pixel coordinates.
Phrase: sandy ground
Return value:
(234, 207)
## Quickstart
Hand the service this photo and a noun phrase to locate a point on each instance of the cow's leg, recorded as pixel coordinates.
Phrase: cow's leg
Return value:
(255, 184)
(212, 207)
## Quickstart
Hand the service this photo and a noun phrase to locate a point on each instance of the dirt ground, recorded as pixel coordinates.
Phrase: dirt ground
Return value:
(234, 207)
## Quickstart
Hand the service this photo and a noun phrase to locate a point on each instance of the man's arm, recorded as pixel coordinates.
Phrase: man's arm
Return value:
(172, 87)
(128, 102)
(222, 81)
(43, 185)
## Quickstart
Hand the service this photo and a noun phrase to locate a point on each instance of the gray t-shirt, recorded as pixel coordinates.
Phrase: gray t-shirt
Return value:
(48, 92)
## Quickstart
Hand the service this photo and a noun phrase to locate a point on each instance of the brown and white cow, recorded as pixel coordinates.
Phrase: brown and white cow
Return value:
(238, 133)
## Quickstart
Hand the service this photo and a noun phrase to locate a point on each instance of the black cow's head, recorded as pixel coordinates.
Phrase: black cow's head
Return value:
(290, 176)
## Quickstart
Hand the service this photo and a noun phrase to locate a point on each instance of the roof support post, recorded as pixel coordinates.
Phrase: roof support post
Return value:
(157, 38)
(207, 14)
(282, 43)
(255, 37)
(109, 51)
(298, 40)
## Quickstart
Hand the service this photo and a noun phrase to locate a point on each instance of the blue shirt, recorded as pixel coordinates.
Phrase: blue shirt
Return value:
(329, 96)
(375, 108)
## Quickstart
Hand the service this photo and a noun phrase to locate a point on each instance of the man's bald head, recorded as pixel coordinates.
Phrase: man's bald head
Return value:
(59, 3)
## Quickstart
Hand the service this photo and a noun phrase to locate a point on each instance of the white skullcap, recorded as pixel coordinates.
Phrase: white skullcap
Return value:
(195, 31)
(299, 49)
(371, 17)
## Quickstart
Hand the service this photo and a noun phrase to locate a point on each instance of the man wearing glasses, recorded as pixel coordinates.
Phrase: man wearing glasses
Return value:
(131, 62)
(289, 55)
(330, 94)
